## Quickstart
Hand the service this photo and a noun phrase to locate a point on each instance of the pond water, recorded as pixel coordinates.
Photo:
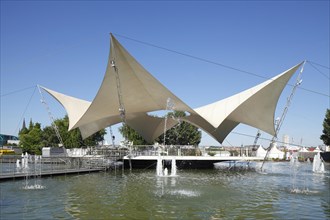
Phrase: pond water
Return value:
(283, 191)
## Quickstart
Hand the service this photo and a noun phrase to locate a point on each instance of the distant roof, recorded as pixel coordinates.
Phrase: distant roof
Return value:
(131, 91)
(8, 137)
(4, 138)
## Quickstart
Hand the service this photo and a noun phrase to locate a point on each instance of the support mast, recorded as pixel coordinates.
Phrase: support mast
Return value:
(43, 101)
(281, 119)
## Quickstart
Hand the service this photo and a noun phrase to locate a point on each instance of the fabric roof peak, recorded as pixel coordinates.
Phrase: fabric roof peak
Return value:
(128, 84)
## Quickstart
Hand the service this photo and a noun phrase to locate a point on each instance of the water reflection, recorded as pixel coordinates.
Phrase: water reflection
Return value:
(192, 194)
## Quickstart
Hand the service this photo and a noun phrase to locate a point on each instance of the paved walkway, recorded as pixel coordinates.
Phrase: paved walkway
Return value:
(13, 176)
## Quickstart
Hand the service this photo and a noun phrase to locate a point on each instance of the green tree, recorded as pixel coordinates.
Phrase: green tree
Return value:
(30, 140)
(132, 135)
(325, 137)
(71, 139)
(31, 124)
(182, 134)
(49, 138)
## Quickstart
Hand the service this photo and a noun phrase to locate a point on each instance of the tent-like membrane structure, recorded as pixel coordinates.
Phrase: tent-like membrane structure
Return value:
(128, 92)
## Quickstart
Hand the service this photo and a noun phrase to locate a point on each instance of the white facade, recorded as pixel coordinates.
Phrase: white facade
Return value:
(286, 140)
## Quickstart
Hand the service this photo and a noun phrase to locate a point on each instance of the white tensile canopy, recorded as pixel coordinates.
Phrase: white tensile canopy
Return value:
(303, 150)
(261, 152)
(255, 107)
(75, 108)
(128, 85)
(275, 153)
(317, 149)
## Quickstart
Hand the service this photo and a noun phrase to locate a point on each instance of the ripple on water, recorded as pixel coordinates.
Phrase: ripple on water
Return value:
(34, 187)
(193, 194)
(303, 191)
(184, 193)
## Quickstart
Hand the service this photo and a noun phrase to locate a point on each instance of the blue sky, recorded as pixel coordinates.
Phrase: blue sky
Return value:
(64, 45)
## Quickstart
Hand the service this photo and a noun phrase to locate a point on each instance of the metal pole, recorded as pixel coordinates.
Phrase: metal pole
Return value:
(51, 117)
(281, 119)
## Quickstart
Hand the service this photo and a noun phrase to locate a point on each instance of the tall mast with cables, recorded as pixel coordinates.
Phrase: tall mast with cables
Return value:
(279, 122)
(169, 106)
(112, 137)
(51, 118)
(122, 110)
(256, 139)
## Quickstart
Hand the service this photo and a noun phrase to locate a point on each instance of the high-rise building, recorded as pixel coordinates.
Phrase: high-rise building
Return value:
(286, 140)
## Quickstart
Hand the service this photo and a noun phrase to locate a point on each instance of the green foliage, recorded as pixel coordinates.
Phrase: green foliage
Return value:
(71, 139)
(31, 124)
(32, 139)
(132, 135)
(182, 134)
(325, 137)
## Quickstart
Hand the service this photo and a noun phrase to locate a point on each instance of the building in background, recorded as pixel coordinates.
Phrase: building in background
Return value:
(8, 139)
(286, 140)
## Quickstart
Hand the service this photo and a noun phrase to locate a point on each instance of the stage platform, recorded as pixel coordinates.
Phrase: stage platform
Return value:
(182, 162)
